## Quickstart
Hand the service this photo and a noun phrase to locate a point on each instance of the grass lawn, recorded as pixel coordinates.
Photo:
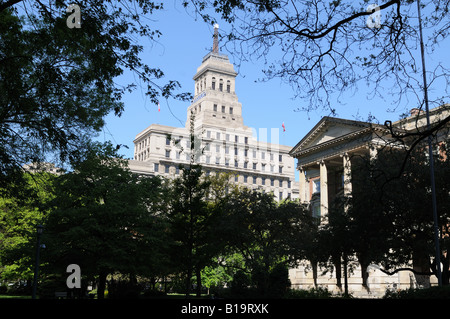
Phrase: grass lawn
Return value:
(14, 297)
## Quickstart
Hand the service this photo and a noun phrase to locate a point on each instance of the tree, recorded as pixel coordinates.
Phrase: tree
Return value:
(19, 217)
(387, 220)
(58, 83)
(268, 236)
(106, 219)
(325, 50)
(191, 222)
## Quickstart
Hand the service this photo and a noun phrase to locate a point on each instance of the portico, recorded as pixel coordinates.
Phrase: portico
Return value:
(324, 158)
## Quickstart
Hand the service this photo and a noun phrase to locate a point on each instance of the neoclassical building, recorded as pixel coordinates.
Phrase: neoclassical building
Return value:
(324, 160)
(222, 142)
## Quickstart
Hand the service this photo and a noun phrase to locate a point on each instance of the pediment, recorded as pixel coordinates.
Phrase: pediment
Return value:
(327, 129)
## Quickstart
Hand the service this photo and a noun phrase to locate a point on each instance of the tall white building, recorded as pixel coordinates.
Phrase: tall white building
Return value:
(223, 143)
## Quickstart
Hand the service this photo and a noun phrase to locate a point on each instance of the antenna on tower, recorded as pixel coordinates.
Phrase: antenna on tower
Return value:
(216, 39)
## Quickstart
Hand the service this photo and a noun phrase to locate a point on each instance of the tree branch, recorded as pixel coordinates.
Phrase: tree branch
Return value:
(8, 4)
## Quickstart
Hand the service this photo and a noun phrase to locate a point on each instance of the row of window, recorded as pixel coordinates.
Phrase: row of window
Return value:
(217, 147)
(223, 109)
(227, 137)
(201, 85)
(227, 162)
(247, 179)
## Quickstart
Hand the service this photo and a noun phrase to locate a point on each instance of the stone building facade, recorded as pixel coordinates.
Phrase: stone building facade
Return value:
(222, 142)
(324, 160)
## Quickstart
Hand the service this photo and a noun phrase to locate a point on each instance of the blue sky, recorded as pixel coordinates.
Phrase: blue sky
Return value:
(184, 42)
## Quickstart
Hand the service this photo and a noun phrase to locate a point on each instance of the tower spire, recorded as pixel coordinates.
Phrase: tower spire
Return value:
(216, 39)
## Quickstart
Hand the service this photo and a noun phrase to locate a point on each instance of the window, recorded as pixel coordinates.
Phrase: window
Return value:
(254, 165)
(245, 164)
(156, 167)
(227, 150)
(215, 107)
(221, 85)
(227, 162)
(246, 140)
(236, 138)
(231, 110)
(217, 148)
(280, 169)
(228, 86)
(166, 168)
(213, 84)
(208, 134)
(167, 141)
(263, 155)
(272, 182)
(208, 159)
(263, 181)
(316, 186)
(167, 153)
(236, 178)
(207, 147)
(254, 153)
(263, 167)
(218, 135)
(271, 168)
(177, 170)
(280, 195)
(271, 156)
(280, 158)
(245, 152)
(223, 108)
(245, 178)
(236, 164)
(217, 160)
(227, 137)
(289, 185)
(178, 155)
(236, 151)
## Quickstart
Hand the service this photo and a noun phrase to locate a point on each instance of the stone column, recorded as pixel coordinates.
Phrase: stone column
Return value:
(347, 178)
(373, 152)
(347, 175)
(302, 185)
(323, 189)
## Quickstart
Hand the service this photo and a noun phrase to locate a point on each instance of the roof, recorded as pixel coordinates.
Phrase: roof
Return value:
(317, 135)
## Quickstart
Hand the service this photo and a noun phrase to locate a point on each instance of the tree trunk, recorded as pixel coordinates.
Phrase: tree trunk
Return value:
(101, 285)
(345, 275)
(314, 269)
(199, 281)
(188, 282)
(445, 269)
(364, 275)
(338, 266)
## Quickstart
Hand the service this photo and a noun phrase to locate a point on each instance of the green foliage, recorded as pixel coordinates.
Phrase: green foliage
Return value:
(442, 292)
(57, 83)
(267, 235)
(313, 293)
(105, 219)
(388, 220)
(19, 217)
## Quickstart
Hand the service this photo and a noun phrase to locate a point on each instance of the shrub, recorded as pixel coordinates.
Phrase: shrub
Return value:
(420, 293)
(313, 293)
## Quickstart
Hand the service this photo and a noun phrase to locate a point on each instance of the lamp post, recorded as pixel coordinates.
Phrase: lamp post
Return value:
(430, 153)
(39, 230)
